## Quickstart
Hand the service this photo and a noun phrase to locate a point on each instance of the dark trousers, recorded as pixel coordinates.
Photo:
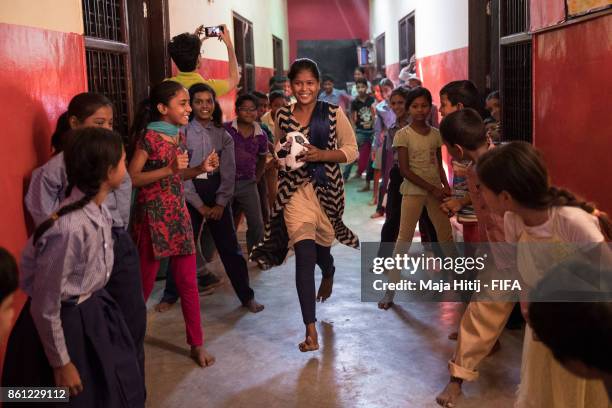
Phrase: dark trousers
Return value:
(262, 188)
(125, 287)
(100, 346)
(226, 241)
(307, 255)
(386, 166)
(393, 215)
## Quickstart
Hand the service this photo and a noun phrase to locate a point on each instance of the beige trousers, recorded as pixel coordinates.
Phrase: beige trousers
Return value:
(481, 325)
(412, 206)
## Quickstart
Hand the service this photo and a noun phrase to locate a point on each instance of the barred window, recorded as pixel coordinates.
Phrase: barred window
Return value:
(516, 78)
(107, 55)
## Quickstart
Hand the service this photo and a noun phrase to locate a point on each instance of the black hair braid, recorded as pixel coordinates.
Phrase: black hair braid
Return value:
(89, 156)
(559, 197)
(77, 205)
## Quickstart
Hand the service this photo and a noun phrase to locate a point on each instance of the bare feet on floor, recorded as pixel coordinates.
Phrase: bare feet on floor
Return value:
(325, 289)
(253, 306)
(311, 342)
(450, 394)
(386, 302)
(377, 215)
(201, 356)
(162, 307)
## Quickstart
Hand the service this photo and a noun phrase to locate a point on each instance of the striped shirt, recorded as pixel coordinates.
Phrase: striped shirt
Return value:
(48, 188)
(72, 259)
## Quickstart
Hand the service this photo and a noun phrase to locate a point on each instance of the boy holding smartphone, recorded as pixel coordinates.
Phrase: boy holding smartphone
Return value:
(184, 50)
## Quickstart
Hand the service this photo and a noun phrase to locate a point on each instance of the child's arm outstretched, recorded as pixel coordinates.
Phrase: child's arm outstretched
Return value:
(404, 163)
(142, 178)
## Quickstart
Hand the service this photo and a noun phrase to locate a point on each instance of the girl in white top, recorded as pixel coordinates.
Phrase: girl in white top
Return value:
(550, 225)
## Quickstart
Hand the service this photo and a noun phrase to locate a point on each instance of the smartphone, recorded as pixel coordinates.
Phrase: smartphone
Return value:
(213, 31)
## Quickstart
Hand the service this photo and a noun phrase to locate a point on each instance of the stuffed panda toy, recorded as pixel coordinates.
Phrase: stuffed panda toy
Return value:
(290, 148)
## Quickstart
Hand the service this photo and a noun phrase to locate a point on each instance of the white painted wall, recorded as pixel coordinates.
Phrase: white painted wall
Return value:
(269, 17)
(440, 25)
(57, 15)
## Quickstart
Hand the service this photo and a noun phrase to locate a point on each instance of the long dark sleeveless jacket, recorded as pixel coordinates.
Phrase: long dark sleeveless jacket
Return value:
(273, 249)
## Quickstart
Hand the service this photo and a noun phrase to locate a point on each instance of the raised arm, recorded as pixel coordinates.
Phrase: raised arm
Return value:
(234, 77)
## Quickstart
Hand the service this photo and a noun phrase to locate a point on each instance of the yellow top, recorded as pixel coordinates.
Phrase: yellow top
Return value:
(422, 157)
(188, 79)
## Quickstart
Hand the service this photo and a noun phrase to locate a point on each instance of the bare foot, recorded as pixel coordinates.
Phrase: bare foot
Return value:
(201, 356)
(253, 306)
(377, 215)
(311, 342)
(162, 307)
(385, 305)
(450, 394)
(386, 302)
(325, 289)
(453, 336)
(373, 202)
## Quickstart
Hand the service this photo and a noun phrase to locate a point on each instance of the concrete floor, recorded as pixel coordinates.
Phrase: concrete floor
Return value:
(368, 357)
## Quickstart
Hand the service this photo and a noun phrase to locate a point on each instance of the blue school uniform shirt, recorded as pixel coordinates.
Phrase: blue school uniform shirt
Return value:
(201, 140)
(48, 188)
(73, 258)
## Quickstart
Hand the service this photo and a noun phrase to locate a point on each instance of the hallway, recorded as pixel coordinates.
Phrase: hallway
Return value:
(368, 357)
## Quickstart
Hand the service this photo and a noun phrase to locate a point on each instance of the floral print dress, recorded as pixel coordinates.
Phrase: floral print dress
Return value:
(160, 207)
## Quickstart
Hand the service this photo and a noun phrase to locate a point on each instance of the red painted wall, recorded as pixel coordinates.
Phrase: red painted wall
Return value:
(40, 71)
(327, 20)
(437, 70)
(571, 88)
(546, 13)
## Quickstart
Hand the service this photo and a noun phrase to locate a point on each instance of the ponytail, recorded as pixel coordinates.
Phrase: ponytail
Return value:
(559, 197)
(141, 120)
(147, 111)
(81, 107)
(88, 157)
(519, 169)
(57, 138)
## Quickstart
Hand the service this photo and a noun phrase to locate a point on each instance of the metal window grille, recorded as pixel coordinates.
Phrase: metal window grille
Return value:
(517, 116)
(106, 74)
(515, 17)
(107, 55)
(104, 19)
(516, 77)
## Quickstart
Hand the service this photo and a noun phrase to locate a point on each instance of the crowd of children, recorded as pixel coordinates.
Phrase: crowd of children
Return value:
(92, 260)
